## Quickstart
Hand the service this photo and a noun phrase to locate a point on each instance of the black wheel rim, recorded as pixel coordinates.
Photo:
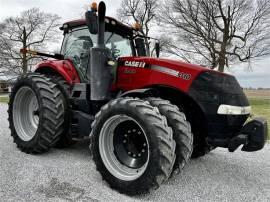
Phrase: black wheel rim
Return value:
(130, 144)
(124, 147)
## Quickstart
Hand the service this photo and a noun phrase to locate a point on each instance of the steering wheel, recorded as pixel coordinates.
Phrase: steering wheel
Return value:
(116, 53)
(76, 59)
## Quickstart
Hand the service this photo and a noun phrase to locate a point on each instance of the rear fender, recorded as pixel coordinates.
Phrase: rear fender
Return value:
(63, 67)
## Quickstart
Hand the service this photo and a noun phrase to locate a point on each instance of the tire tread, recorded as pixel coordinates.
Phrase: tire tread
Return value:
(53, 113)
(163, 133)
(181, 130)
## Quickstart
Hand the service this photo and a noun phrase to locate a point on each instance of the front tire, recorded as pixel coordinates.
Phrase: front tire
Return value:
(132, 146)
(36, 113)
(181, 130)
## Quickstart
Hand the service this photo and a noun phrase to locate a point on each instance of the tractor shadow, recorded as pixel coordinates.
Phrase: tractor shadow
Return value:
(79, 150)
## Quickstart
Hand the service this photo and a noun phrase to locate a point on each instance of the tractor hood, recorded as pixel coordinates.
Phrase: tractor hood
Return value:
(174, 64)
(171, 67)
(139, 72)
(162, 62)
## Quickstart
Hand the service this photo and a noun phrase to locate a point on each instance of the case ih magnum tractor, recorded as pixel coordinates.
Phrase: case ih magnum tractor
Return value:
(145, 116)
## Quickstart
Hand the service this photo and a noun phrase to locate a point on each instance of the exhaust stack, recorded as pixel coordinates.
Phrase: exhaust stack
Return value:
(100, 72)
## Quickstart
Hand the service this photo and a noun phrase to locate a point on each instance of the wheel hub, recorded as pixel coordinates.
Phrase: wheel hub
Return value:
(26, 113)
(124, 147)
(130, 144)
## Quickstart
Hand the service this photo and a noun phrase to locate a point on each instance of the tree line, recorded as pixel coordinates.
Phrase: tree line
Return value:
(212, 33)
(32, 29)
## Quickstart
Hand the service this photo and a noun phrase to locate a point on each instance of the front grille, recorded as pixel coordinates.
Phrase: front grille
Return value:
(212, 89)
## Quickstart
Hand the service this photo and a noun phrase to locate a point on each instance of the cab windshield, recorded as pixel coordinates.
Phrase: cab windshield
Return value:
(77, 43)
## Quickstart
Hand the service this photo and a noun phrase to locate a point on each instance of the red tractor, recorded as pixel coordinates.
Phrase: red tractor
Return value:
(145, 116)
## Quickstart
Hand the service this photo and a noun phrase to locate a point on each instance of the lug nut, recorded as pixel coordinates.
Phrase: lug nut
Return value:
(139, 133)
(139, 154)
(143, 150)
(124, 141)
(125, 135)
(133, 130)
(144, 144)
(129, 131)
(134, 155)
(129, 153)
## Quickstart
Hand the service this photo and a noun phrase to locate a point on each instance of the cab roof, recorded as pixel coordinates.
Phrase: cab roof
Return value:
(111, 24)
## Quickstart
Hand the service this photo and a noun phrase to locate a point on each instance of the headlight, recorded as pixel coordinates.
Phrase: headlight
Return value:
(233, 110)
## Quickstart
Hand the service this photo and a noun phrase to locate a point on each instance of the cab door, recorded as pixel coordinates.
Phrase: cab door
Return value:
(76, 47)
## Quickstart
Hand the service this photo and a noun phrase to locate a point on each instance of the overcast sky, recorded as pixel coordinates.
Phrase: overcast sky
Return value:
(73, 9)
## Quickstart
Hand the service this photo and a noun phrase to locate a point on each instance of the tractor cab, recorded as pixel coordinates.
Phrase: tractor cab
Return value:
(119, 38)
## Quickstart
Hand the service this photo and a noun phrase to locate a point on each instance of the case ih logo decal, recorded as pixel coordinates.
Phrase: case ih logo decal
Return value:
(165, 70)
(134, 64)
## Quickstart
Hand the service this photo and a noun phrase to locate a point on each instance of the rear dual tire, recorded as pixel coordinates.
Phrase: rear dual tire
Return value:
(36, 113)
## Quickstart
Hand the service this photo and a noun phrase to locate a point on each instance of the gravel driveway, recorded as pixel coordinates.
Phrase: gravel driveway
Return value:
(70, 175)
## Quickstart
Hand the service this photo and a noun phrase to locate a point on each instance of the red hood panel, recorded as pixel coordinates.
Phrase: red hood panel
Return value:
(141, 72)
(164, 62)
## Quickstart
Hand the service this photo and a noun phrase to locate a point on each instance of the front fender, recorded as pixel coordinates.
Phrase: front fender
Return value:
(140, 93)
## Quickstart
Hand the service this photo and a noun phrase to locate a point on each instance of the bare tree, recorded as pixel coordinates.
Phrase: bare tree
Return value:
(141, 11)
(218, 32)
(33, 29)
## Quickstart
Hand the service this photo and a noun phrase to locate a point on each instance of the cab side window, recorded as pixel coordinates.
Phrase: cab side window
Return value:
(76, 46)
(119, 45)
(78, 42)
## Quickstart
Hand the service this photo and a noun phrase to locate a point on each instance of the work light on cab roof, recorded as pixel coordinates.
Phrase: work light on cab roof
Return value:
(137, 26)
(94, 6)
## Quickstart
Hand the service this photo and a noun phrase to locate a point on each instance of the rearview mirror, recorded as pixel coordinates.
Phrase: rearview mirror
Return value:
(91, 21)
(157, 48)
(140, 47)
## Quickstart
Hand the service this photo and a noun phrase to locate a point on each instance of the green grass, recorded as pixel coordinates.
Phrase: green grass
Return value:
(4, 99)
(261, 107)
